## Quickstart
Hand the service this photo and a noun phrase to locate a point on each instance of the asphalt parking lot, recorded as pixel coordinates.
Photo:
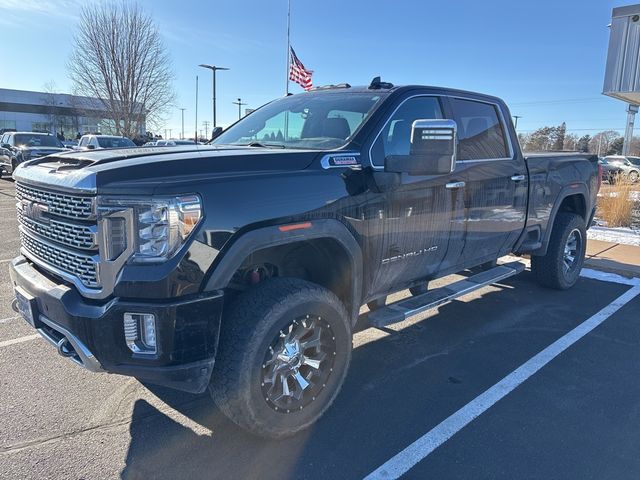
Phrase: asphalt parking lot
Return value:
(434, 397)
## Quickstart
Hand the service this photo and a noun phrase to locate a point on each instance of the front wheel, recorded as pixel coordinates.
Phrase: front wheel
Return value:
(560, 267)
(634, 176)
(284, 352)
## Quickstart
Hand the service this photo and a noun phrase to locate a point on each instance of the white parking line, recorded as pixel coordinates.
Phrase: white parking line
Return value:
(8, 319)
(421, 448)
(6, 343)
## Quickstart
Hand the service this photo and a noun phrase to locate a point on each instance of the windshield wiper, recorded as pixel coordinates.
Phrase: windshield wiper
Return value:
(265, 145)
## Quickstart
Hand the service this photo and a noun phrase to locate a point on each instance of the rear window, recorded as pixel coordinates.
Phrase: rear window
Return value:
(481, 134)
(115, 142)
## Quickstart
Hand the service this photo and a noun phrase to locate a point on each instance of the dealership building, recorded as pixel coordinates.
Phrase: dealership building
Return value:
(27, 111)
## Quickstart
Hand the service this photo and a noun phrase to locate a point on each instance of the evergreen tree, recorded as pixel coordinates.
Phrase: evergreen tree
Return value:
(615, 147)
(560, 133)
(583, 143)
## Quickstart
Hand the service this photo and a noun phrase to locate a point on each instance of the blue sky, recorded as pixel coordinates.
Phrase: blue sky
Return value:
(545, 58)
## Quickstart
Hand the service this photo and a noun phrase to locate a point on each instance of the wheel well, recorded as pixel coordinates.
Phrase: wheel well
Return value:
(323, 261)
(574, 204)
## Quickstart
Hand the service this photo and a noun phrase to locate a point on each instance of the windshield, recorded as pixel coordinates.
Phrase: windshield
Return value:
(634, 160)
(316, 121)
(35, 140)
(115, 142)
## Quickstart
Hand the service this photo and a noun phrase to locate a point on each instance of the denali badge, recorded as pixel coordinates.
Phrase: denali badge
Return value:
(35, 211)
(403, 256)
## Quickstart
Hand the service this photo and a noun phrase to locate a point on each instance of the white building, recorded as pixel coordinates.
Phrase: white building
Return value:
(53, 112)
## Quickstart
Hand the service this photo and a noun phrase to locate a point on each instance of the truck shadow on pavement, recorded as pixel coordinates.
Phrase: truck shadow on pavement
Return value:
(399, 386)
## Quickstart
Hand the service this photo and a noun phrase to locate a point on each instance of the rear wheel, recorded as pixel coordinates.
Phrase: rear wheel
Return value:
(284, 352)
(560, 267)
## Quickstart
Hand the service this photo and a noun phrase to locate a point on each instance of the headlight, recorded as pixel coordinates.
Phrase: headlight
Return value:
(161, 225)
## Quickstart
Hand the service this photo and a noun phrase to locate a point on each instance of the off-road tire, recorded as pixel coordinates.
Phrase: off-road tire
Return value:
(248, 329)
(548, 269)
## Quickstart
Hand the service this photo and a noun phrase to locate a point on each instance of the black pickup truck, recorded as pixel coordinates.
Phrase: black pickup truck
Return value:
(241, 266)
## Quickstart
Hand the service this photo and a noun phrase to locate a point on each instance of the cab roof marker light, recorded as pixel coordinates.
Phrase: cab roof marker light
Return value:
(295, 226)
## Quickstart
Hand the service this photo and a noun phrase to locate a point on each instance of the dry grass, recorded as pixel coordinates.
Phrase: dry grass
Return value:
(615, 205)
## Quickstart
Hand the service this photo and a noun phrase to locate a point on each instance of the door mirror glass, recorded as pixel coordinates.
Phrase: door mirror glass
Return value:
(432, 150)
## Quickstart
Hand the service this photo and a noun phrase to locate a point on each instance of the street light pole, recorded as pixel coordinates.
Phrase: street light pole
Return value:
(182, 134)
(240, 104)
(516, 117)
(213, 69)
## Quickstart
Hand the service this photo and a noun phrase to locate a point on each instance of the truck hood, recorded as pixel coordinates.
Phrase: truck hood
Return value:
(142, 170)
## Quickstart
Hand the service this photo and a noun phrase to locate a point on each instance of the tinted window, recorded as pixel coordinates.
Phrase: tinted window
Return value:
(395, 138)
(115, 142)
(480, 132)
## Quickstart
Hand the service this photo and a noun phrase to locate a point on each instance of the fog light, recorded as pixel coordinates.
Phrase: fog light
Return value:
(140, 332)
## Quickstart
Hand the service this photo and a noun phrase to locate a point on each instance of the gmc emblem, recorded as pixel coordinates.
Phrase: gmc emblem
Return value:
(35, 211)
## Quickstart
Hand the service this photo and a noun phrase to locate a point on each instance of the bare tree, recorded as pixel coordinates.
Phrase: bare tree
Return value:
(600, 142)
(49, 99)
(120, 58)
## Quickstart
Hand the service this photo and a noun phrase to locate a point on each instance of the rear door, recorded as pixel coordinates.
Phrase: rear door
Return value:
(496, 181)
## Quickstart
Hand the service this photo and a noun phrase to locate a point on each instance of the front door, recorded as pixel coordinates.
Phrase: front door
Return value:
(414, 222)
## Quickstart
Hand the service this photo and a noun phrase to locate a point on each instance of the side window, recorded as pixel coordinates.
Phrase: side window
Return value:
(395, 138)
(481, 134)
(83, 142)
(4, 139)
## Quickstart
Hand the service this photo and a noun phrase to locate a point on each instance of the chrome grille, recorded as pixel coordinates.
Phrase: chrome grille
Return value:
(82, 266)
(59, 232)
(70, 206)
(79, 236)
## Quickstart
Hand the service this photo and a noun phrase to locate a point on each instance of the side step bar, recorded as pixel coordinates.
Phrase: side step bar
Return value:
(404, 309)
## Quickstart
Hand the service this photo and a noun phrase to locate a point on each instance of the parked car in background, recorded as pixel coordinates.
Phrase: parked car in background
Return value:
(94, 142)
(70, 143)
(150, 144)
(635, 161)
(619, 167)
(17, 147)
(173, 143)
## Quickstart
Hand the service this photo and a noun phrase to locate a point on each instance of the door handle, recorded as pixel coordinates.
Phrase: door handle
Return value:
(518, 178)
(452, 185)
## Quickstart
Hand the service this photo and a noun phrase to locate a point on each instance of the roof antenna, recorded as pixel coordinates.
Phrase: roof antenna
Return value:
(377, 84)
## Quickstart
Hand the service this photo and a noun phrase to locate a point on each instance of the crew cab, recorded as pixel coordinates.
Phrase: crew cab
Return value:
(241, 266)
(17, 147)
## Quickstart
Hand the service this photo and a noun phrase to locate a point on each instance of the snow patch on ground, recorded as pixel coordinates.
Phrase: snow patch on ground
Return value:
(625, 236)
(634, 196)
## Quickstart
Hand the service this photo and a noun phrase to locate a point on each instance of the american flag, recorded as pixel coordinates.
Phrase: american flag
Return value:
(298, 73)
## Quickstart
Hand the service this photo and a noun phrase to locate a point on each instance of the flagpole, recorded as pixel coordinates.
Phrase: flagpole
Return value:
(286, 91)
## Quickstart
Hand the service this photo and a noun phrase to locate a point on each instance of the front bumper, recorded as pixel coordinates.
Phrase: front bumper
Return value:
(91, 333)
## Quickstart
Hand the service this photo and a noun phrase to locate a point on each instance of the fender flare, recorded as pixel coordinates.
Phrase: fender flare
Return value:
(568, 191)
(231, 258)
